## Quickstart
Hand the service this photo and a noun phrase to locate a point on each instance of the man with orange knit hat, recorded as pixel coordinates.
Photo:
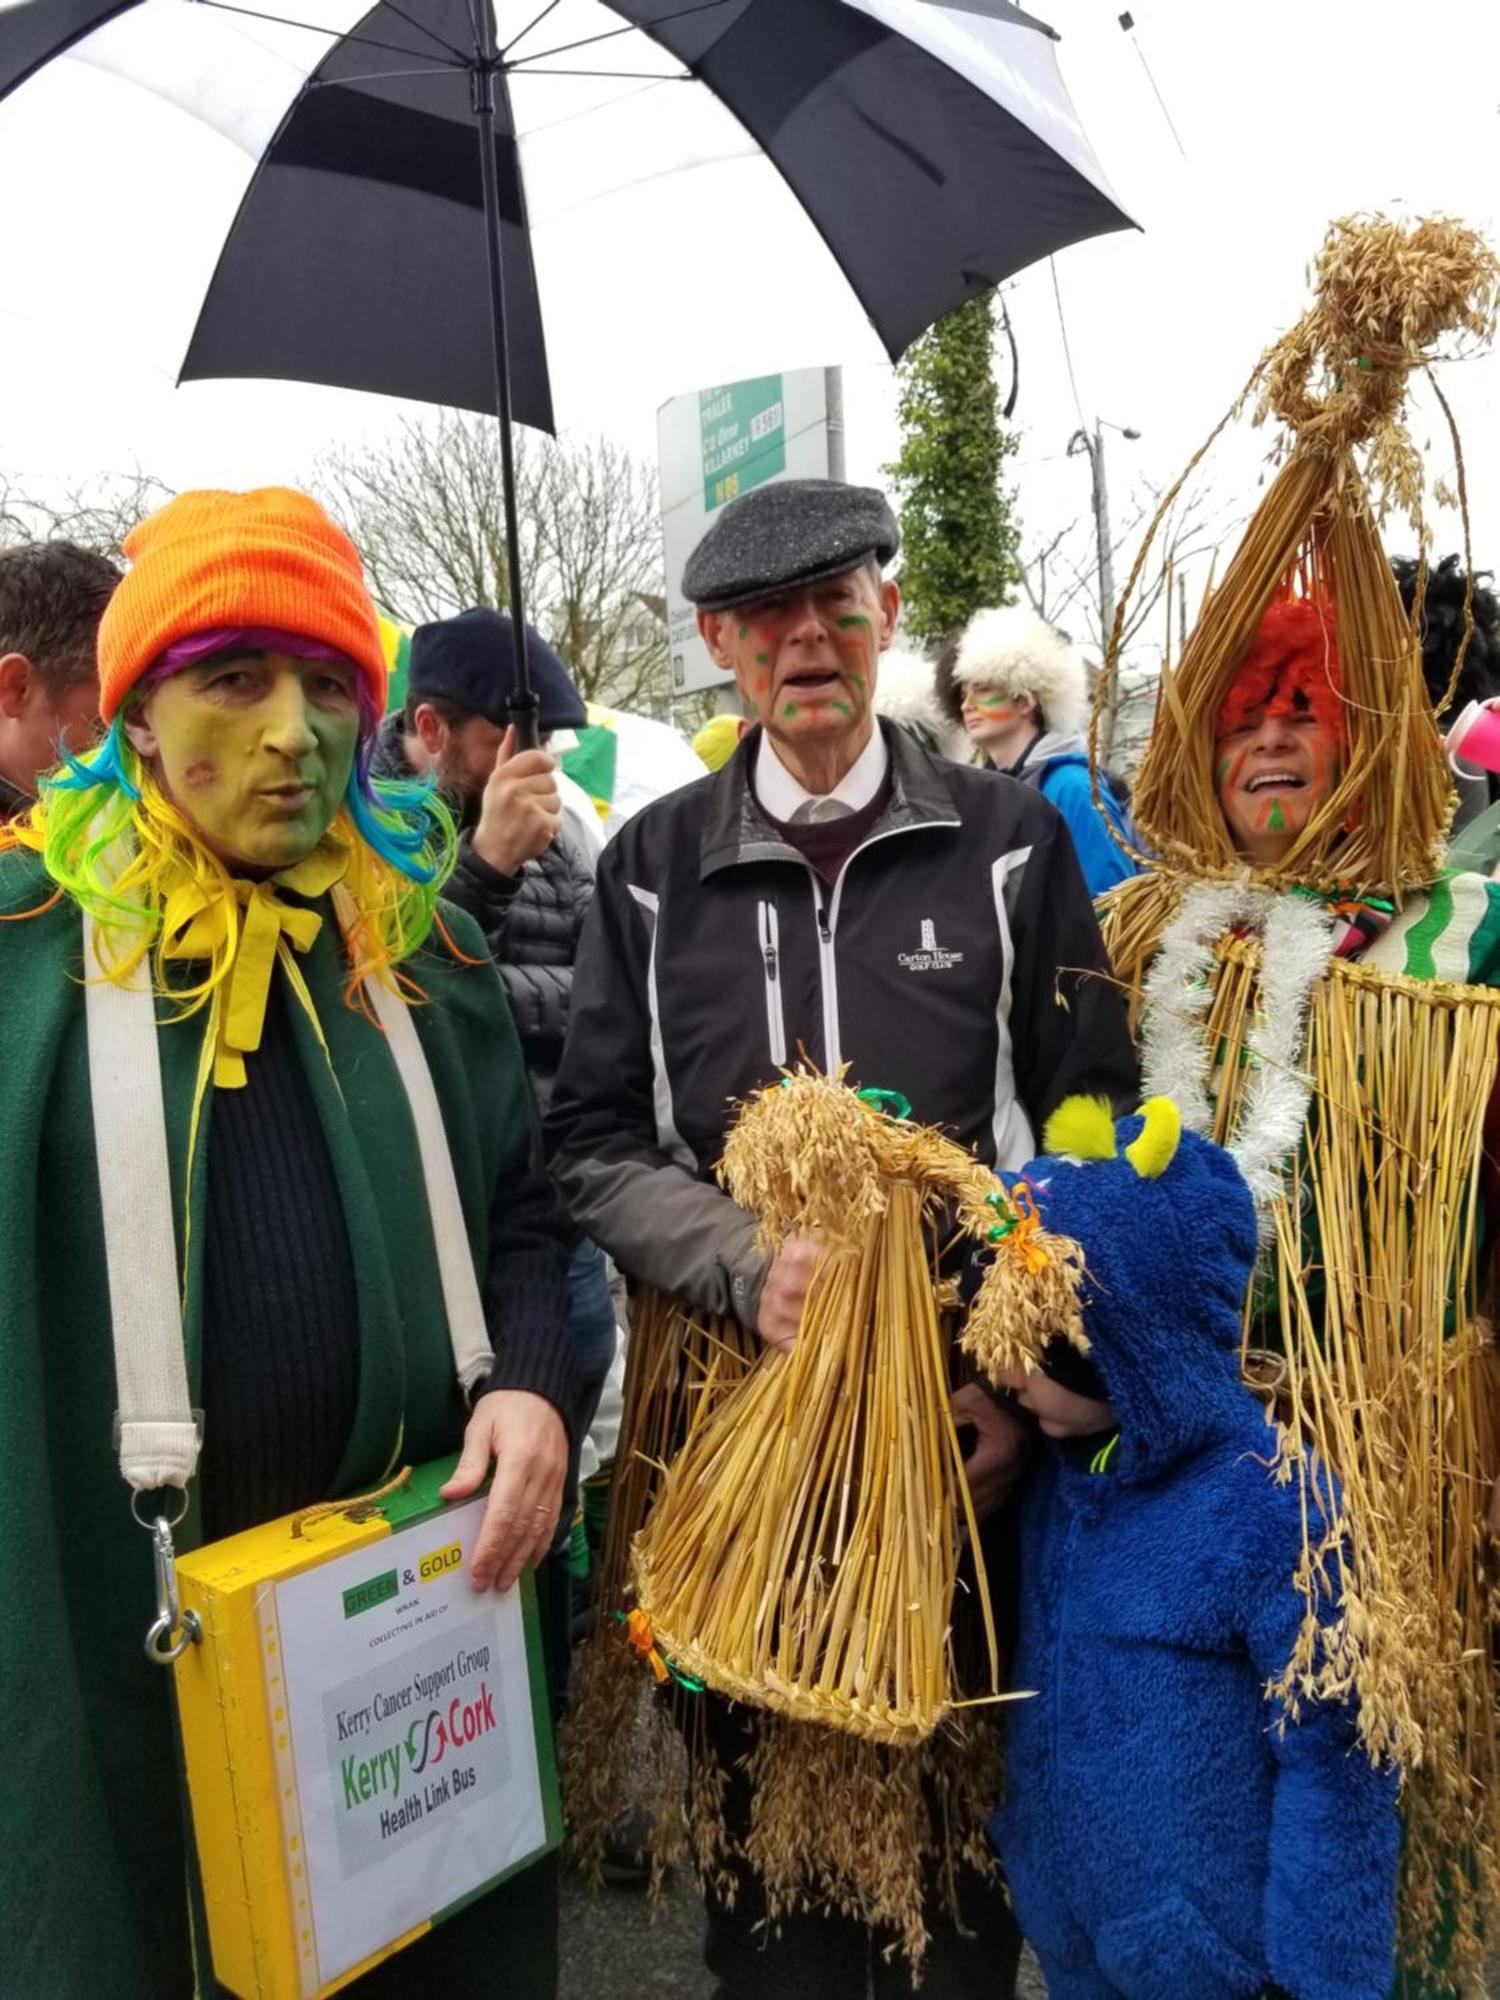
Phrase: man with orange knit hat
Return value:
(225, 856)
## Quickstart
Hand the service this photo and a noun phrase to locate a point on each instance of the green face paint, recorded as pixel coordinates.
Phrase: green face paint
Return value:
(761, 659)
(854, 618)
(790, 709)
(1277, 820)
(255, 749)
(744, 631)
(841, 708)
(1221, 772)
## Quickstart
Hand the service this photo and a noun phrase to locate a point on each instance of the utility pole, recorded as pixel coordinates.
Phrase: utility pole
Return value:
(833, 400)
(1093, 444)
(1105, 541)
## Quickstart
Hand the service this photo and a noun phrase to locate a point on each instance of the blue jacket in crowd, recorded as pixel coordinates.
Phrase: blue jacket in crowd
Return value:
(1057, 765)
(1166, 1838)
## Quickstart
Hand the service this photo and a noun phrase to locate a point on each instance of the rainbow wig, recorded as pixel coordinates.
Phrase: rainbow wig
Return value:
(114, 842)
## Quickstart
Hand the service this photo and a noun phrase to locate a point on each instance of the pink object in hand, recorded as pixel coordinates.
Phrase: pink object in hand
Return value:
(1476, 737)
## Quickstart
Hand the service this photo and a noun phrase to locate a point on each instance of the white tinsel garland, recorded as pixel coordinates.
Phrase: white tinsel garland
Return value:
(1177, 1061)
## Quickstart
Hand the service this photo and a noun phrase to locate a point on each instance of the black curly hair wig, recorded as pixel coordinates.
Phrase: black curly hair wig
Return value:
(1442, 628)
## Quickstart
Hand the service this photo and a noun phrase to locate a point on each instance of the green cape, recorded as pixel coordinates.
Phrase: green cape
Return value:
(91, 1816)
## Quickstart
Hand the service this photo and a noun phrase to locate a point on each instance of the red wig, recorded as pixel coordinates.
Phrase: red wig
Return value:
(1293, 654)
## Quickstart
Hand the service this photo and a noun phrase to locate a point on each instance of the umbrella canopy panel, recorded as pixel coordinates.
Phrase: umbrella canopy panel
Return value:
(723, 172)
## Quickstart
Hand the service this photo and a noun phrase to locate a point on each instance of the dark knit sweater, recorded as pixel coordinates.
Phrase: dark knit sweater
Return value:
(826, 844)
(95, 1881)
(280, 1308)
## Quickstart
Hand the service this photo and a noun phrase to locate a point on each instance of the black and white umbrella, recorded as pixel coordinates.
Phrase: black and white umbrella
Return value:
(385, 197)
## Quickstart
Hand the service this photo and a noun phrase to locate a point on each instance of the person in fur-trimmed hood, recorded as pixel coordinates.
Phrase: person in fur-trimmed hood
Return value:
(907, 694)
(1019, 692)
(1173, 1829)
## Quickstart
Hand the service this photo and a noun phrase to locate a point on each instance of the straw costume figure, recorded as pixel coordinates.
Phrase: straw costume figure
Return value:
(222, 868)
(800, 1554)
(1318, 995)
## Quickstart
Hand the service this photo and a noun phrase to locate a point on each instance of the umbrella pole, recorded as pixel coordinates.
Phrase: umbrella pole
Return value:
(523, 702)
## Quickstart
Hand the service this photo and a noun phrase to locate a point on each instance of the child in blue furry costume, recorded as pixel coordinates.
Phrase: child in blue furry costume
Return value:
(1168, 1832)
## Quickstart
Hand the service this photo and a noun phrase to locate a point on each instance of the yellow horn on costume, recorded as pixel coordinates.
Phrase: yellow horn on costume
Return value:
(1151, 1154)
(1081, 1128)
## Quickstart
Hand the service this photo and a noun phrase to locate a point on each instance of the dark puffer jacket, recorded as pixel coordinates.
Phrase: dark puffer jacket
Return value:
(530, 921)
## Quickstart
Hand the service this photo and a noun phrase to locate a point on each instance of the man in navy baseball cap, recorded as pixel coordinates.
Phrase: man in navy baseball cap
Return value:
(525, 874)
(468, 663)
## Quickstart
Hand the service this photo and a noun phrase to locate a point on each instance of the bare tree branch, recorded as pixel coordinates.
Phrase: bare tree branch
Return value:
(99, 516)
(1063, 572)
(427, 513)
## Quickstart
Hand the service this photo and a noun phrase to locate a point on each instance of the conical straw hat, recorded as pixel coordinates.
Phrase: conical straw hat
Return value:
(1385, 295)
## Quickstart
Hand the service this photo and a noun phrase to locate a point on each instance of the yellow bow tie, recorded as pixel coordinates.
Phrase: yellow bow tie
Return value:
(198, 924)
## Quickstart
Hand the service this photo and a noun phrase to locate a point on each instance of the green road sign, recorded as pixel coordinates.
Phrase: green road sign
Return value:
(744, 437)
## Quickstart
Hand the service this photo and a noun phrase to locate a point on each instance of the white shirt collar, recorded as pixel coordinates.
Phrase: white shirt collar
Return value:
(785, 798)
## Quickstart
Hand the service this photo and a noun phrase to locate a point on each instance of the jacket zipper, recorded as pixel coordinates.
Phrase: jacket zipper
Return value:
(826, 911)
(770, 941)
(828, 984)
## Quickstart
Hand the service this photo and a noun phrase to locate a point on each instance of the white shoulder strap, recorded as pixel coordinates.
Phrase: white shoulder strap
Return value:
(158, 1432)
(473, 1357)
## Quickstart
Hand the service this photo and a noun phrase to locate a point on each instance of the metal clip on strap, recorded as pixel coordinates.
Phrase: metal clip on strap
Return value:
(173, 1630)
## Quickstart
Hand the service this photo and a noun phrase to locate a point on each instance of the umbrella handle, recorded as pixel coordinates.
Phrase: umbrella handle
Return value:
(524, 720)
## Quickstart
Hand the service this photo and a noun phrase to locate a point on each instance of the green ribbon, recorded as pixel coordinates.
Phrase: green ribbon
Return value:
(1007, 1222)
(890, 1103)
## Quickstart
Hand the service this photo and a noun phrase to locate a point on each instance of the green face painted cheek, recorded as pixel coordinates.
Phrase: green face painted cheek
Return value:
(790, 709)
(854, 618)
(217, 762)
(841, 708)
(744, 631)
(1221, 773)
(761, 659)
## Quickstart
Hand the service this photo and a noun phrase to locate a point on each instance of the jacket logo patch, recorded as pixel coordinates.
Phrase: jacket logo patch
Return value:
(930, 956)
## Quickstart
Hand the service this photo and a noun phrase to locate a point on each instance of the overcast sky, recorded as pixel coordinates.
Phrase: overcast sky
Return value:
(1288, 113)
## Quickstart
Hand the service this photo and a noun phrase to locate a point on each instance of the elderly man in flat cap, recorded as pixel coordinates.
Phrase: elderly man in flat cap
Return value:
(836, 891)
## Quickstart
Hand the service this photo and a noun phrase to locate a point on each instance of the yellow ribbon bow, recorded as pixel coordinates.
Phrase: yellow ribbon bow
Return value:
(198, 924)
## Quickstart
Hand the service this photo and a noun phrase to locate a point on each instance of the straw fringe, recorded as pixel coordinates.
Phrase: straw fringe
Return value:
(789, 1523)
(619, 1746)
(1385, 1374)
(803, 1550)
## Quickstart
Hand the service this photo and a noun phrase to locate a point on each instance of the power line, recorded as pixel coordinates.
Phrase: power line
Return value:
(1127, 22)
(1067, 350)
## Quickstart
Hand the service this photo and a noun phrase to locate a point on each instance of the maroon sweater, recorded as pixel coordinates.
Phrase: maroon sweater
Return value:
(827, 843)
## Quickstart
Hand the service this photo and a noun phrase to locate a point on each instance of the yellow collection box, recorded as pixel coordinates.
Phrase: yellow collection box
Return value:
(368, 1739)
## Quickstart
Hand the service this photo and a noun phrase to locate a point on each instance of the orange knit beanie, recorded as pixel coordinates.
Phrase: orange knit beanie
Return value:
(271, 558)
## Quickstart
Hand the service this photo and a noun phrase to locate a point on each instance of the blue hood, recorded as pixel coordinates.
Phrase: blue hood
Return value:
(1168, 1257)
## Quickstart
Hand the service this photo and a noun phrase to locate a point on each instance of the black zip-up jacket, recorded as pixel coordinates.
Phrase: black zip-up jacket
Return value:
(955, 959)
(531, 923)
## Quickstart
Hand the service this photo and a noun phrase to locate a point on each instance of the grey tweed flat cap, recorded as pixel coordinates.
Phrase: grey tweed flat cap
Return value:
(789, 532)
